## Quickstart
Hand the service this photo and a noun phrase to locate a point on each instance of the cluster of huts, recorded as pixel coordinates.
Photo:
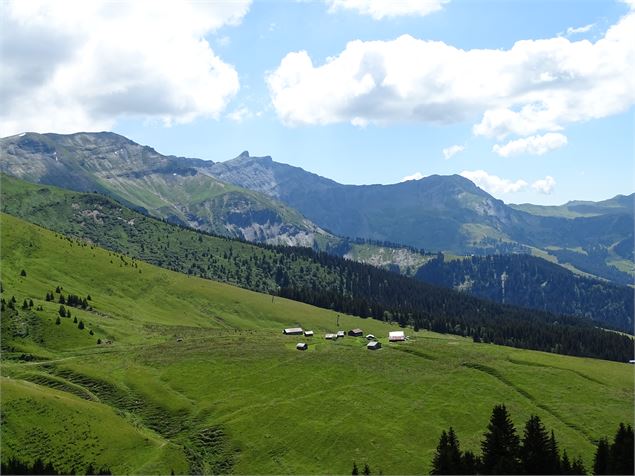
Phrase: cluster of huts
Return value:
(373, 344)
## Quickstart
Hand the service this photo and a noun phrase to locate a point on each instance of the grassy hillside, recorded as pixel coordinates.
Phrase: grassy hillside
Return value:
(304, 275)
(198, 376)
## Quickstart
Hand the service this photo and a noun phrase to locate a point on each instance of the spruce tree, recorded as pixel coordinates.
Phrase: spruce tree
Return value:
(447, 458)
(621, 453)
(565, 464)
(577, 467)
(62, 311)
(355, 470)
(23, 273)
(601, 461)
(500, 445)
(534, 452)
(25, 304)
(554, 455)
(58, 321)
(366, 471)
(80, 326)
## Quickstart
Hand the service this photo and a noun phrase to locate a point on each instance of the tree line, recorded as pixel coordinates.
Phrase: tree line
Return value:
(503, 451)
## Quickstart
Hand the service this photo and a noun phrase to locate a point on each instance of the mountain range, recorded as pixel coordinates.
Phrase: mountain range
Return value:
(258, 199)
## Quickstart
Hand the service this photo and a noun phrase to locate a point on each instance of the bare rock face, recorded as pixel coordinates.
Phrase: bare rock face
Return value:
(174, 188)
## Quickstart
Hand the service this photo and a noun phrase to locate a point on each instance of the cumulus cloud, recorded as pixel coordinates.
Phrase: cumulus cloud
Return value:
(415, 176)
(545, 185)
(492, 183)
(448, 152)
(536, 86)
(77, 65)
(379, 9)
(534, 145)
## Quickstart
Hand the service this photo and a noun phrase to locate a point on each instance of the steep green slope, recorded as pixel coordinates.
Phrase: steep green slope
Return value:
(198, 376)
(165, 186)
(532, 282)
(304, 275)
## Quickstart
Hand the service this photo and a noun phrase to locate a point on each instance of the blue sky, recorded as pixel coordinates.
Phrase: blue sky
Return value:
(374, 111)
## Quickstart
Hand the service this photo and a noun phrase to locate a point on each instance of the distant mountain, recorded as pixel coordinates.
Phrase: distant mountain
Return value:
(579, 208)
(449, 213)
(260, 200)
(165, 186)
(527, 281)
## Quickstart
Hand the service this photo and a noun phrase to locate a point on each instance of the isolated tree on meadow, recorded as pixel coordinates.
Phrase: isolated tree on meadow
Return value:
(501, 444)
(62, 310)
(80, 326)
(58, 321)
(23, 273)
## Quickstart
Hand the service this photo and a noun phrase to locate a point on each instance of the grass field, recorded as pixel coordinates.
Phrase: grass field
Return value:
(198, 377)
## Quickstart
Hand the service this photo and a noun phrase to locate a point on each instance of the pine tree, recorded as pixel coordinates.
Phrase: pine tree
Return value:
(447, 458)
(23, 273)
(58, 290)
(565, 465)
(62, 300)
(578, 468)
(58, 321)
(500, 445)
(534, 452)
(30, 303)
(621, 453)
(602, 457)
(25, 304)
(62, 311)
(80, 326)
(355, 470)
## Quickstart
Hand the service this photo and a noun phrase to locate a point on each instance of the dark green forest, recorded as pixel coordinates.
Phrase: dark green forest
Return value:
(531, 282)
(305, 275)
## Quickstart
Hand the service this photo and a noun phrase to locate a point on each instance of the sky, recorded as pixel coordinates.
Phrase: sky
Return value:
(534, 100)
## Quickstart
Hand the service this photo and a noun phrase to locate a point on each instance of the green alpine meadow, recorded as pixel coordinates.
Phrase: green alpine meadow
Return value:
(177, 373)
(326, 237)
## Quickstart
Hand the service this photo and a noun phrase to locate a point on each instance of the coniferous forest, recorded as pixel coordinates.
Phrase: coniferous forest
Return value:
(535, 451)
(527, 281)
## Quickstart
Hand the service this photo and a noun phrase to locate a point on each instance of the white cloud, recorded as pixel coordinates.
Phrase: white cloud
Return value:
(492, 183)
(545, 185)
(580, 29)
(534, 145)
(536, 86)
(240, 114)
(415, 176)
(379, 9)
(77, 65)
(448, 152)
